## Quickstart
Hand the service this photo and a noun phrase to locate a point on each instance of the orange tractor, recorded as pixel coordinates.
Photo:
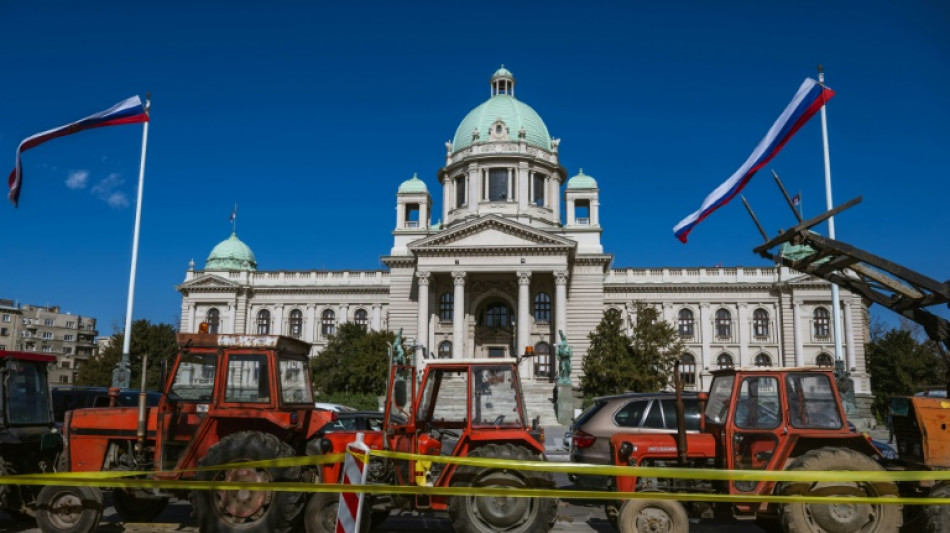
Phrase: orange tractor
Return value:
(227, 398)
(460, 408)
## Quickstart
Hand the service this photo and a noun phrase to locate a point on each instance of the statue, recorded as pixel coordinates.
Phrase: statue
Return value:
(399, 355)
(564, 353)
(845, 388)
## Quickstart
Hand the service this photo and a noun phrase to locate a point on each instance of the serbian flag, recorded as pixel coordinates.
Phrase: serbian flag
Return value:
(129, 111)
(807, 101)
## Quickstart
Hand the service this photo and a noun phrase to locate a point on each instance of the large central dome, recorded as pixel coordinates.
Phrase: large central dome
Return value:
(519, 119)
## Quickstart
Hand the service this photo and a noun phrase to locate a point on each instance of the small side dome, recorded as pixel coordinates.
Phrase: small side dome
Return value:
(581, 181)
(413, 185)
(231, 254)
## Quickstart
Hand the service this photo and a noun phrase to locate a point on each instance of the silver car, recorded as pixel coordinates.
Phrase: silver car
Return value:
(635, 412)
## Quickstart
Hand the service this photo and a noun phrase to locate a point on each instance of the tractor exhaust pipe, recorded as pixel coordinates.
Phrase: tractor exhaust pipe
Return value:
(680, 417)
(140, 430)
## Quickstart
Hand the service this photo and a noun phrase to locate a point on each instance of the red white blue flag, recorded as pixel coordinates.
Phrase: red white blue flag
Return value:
(233, 214)
(130, 111)
(807, 101)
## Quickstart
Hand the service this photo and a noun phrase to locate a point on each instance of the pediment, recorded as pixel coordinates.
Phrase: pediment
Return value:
(492, 232)
(208, 281)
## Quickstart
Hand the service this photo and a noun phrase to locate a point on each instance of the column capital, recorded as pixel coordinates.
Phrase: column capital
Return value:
(459, 277)
(560, 277)
(424, 277)
(524, 277)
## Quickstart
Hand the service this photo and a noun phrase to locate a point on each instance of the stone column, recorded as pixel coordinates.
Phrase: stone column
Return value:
(423, 215)
(797, 333)
(560, 302)
(309, 326)
(849, 338)
(555, 198)
(742, 335)
(192, 311)
(524, 312)
(707, 359)
(377, 324)
(458, 316)
(473, 181)
(524, 186)
(400, 215)
(422, 321)
(448, 188)
(570, 212)
(229, 327)
(344, 314)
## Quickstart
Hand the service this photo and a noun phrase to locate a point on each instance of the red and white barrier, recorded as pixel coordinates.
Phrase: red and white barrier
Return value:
(354, 473)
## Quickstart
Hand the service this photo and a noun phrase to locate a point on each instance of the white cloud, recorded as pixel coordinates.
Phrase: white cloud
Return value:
(118, 200)
(77, 179)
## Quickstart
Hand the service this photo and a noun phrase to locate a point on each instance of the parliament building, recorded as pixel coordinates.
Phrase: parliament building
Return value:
(516, 258)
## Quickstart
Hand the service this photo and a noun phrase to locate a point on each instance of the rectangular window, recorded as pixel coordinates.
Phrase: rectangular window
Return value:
(294, 381)
(47, 335)
(67, 337)
(4, 331)
(460, 191)
(6, 318)
(247, 379)
(71, 324)
(498, 184)
(539, 183)
(48, 322)
(68, 350)
(47, 348)
(496, 352)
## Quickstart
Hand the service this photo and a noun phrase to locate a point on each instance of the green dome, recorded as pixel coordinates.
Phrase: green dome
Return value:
(231, 254)
(413, 184)
(505, 107)
(581, 181)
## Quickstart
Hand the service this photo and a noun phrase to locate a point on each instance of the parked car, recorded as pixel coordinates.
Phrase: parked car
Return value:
(886, 450)
(67, 398)
(358, 421)
(644, 412)
(335, 407)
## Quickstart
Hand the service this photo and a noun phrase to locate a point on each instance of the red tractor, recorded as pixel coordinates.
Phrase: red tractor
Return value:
(227, 398)
(460, 408)
(760, 419)
(29, 442)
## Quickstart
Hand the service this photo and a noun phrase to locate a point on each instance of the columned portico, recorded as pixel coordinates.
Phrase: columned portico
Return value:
(458, 316)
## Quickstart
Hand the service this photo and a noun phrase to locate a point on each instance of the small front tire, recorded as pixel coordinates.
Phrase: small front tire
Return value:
(653, 516)
(68, 509)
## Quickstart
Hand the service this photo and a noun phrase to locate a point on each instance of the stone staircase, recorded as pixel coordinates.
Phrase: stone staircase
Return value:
(539, 401)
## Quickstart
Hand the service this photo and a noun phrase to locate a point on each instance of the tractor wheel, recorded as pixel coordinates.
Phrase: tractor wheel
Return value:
(244, 511)
(652, 516)
(839, 517)
(68, 509)
(486, 514)
(133, 509)
(320, 516)
(937, 517)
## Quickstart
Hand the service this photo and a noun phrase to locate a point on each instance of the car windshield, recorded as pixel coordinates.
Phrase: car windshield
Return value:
(495, 396)
(27, 393)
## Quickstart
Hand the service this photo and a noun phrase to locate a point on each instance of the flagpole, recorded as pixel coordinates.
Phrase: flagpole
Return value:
(122, 375)
(829, 205)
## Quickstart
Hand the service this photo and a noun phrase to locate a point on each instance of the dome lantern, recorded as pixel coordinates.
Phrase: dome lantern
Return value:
(502, 82)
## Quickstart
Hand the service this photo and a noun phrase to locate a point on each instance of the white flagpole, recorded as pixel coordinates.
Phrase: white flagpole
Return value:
(835, 301)
(122, 375)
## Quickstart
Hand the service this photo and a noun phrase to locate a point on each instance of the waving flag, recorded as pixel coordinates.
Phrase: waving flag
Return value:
(807, 101)
(130, 111)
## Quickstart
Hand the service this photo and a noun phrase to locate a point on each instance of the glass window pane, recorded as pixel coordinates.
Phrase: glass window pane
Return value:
(295, 381)
(758, 405)
(630, 415)
(247, 379)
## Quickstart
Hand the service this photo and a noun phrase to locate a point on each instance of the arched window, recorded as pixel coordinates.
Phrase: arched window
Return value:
(763, 359)
(328, 323)
(724, 361)
(824, 359)
(263, 322)
(361, 319)
(822, 322)
(723, 324)
(543, 360)
(760, 323)
(213, 319)
(296, 323)
(542, 307)
(497, 315)
(445, 350)
(686, 323)
(446, 306)
(688, 370)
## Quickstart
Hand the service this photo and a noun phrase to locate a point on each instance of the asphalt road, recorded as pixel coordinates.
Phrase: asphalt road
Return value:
(573, 516)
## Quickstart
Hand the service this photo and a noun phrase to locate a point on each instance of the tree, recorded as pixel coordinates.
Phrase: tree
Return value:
(616, 363)
(899, 365)
(355, 361)
(157, 341)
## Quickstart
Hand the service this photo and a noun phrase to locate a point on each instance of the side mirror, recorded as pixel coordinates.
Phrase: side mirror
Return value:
(400, 393)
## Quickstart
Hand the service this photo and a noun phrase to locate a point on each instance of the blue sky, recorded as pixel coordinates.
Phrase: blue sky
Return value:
(309, 115)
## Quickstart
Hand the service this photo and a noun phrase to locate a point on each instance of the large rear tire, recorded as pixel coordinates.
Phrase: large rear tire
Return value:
(937, 517)
(839, 517)
(68, 509)
(490, 514)
(652, 516)
(243, 511)
(133, 509)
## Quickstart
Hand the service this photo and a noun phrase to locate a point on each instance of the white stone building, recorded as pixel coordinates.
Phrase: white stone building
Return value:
(506, 268)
